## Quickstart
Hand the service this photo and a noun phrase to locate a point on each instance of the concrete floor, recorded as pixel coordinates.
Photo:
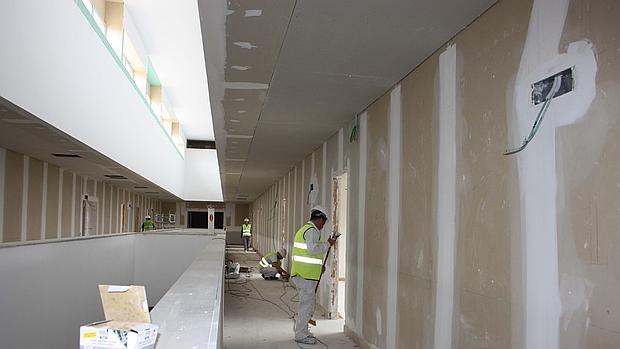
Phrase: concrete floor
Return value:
(258, 313)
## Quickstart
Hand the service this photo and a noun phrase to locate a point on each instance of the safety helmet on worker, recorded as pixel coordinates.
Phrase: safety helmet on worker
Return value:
(147, 217)
(246, 220)
(318, 212)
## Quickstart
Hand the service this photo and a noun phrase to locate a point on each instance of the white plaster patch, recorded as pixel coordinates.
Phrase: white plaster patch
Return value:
(253, 13)
(245, 45)
(379, 323)
(2, 172)
(361, 211)
(537, 163)
(393, 214)
(446, 200)
(240, 67)
(314, 194)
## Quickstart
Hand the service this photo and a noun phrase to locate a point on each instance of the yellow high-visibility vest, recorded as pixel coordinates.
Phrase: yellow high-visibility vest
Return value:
(264, 262)
(247, 230)
(304, 264)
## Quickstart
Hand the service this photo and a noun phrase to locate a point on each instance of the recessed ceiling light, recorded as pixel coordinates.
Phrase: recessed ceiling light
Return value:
(234, 120)
(242, 111)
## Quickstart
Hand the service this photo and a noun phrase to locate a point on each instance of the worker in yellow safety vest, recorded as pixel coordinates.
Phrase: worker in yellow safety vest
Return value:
(270, 266)
(148, 224)
(307, 266)
(246, 234)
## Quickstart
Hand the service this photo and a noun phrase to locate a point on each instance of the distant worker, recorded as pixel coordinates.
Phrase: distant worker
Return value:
(246, 234)
(271, 265)
(307, 267)
(148, 224)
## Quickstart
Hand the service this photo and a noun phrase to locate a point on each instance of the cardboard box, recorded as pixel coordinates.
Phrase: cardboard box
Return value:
(127, 322)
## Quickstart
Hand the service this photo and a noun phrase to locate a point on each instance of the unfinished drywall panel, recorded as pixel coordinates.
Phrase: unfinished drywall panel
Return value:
(13, 184)
(416, 254)
(353, 237)
(100, 189)
(299, 197)
(67, 203)
(319, 185)
(53, 192)
(588, 198)
(308, 168)
(375, 236)
(35, 195)
(489, 56)
(77, 205)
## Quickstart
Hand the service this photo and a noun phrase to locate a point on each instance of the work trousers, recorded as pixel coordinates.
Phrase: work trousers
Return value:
(247, 242)
(307, 300)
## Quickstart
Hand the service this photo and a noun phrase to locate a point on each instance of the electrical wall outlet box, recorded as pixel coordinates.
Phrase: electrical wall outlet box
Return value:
(127, 322)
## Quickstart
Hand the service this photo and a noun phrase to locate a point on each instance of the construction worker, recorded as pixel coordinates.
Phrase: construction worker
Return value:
(271, 264)
(307, 267)
(148, 224)
(246, 234)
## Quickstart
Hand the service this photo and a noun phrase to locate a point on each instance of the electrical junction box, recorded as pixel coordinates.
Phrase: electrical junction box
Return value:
(541, 89)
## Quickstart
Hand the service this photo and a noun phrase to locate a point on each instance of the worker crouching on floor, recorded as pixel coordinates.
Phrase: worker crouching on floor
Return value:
(307, 267)
(271, 265)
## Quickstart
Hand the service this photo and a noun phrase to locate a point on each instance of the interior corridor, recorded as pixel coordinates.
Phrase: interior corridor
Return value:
(259, 313)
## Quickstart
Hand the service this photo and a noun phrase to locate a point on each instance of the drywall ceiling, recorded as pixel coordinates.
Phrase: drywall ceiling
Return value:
(24, 133)
(284, 75)
(170, 30)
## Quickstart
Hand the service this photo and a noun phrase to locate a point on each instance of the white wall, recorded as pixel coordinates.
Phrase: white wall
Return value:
(49, 289)
(201, 168)
(160, 260)
(58, 69)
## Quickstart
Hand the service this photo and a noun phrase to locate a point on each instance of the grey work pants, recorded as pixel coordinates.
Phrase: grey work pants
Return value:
(306, 305)
(247, 242)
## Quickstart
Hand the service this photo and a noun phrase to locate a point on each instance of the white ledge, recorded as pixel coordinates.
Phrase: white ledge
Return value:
(190, 315)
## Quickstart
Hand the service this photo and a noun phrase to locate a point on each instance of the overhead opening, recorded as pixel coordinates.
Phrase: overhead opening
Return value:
(114, 176)
(61, 155)
(196, 144)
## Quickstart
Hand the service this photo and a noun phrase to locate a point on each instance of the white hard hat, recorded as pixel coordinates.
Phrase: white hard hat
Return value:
(317, 209)
(147, 217)
(282, 252)
(246, 219)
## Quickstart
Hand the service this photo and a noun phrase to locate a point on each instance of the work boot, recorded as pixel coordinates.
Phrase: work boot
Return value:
(307, 340)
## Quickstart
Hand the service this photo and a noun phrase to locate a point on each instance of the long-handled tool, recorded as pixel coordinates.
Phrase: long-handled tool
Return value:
(334, 236)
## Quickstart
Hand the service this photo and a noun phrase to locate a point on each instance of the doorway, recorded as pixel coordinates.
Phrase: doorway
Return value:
(340, 205)
(197, 219)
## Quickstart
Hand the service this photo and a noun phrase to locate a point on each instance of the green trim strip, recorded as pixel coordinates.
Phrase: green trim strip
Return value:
(151, 75)
(120, 64)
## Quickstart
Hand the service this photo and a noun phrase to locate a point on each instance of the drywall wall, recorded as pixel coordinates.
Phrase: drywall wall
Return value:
(534, 245)
(50, 289)
(43, 201)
